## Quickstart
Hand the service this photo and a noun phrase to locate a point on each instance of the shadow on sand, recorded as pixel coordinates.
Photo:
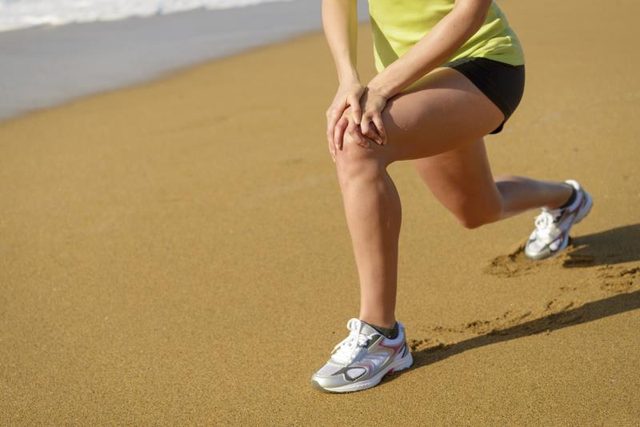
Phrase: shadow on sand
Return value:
(615, 246)
(587, 313)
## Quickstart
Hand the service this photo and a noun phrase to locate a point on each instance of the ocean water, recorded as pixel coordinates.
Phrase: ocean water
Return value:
(16, 14)
(44, 66)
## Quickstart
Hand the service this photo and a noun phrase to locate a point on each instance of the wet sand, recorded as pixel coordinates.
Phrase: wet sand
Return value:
(176, 253)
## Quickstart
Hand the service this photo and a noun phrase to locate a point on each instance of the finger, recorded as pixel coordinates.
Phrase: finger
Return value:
(373, 135)
(379, 124)
(365, 125)
(332, 119)
(333, 115)
(338, 134)
(356, 110)
(332, 151)
(354, 132)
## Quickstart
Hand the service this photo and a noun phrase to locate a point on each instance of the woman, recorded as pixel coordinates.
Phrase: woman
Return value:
(450, 72)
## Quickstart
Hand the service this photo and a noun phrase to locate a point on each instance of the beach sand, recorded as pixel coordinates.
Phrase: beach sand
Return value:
(176, 253)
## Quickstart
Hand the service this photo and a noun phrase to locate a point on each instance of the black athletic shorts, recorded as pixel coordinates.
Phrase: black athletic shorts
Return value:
(501, 83)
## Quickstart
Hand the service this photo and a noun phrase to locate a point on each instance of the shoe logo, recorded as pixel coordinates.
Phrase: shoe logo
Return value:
(353, 373)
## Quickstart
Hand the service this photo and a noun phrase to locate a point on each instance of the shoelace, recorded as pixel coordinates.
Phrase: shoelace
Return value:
(546, 223)
(347, 350)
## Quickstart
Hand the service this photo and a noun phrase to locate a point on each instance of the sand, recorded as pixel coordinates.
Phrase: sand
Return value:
(176, 253)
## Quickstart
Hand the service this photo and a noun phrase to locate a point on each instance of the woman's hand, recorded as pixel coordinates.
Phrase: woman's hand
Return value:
(370, 129)
(371, 125)
(347, 98)
(346, 125)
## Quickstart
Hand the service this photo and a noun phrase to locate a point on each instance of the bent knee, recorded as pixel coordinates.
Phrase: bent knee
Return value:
(355, 149)
(358, 156)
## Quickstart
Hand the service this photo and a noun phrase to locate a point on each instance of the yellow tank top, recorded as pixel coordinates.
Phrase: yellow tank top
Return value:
(399, 24)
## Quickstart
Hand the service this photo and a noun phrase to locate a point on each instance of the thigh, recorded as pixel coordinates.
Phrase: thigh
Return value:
(462, 181)
(443, 111)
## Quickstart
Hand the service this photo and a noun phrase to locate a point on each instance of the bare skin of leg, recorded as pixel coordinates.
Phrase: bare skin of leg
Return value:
(461, 180)
(440, 126)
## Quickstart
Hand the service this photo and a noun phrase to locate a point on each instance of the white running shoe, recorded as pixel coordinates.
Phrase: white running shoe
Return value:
(361, 360)
(551, 234)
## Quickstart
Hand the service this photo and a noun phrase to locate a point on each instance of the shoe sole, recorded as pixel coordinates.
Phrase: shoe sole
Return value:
(582, 214)
(396, 366)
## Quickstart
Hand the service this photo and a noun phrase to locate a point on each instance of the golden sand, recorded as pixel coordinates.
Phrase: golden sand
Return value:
(177, 253)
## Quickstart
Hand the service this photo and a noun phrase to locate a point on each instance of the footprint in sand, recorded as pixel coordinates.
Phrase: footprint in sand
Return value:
(556, 312)
(617, 279)
(514, 264)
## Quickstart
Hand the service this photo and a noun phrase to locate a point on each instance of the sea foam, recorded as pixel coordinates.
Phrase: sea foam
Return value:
(16, 14)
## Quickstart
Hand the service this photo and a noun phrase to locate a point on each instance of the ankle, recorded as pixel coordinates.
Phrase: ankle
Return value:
(379, 322)
(566, 200)
(572, 198)
(390, 332)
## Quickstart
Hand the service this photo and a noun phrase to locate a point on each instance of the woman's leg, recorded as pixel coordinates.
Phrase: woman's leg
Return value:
(443, 120)
(373, 213)
(461, 180)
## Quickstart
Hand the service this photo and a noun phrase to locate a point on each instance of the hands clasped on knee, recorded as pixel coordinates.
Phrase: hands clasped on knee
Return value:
(355, 115)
